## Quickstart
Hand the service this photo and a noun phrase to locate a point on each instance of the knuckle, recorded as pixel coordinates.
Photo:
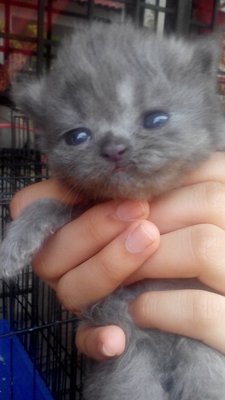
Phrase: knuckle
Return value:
(205, 243)
(64, 296)
(111, 272)
(140, 308)
(214, 193)
(60, 291)
(149, 304)
(147, 307)
(202, 311)
(148, 310)
(94, 227)
(16, 204)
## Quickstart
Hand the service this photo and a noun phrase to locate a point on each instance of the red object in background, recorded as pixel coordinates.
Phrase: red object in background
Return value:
(15, 61)
(203, 12)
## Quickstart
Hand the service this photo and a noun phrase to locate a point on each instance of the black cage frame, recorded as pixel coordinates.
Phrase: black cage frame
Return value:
(178, 14)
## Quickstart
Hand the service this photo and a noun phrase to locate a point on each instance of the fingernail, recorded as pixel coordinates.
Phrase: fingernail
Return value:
(131, 210)
(140, 238)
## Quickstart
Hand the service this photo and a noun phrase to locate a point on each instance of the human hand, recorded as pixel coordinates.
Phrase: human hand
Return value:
(191, 222)
(91, 256)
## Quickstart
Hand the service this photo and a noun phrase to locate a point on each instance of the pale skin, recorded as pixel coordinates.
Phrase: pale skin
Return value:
(180, 235)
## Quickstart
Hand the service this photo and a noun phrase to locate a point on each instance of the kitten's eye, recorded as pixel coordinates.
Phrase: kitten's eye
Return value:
(155, 119)
(76, 136)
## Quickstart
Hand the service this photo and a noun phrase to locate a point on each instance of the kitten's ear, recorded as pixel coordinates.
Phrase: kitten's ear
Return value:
(206, 55)
(27, 96)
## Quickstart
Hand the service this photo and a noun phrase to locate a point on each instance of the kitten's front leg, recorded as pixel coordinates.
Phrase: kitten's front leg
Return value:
(26, 234)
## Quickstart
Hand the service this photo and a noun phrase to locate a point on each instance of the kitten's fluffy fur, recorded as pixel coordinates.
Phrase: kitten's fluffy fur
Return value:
(106, 79)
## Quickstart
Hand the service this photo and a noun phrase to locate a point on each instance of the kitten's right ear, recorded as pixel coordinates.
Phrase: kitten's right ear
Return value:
(27, 96)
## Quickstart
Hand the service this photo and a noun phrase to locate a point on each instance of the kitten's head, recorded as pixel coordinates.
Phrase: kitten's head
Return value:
(124, 113)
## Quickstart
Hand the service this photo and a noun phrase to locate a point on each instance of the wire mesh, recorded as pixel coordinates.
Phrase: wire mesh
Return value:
(29, 310)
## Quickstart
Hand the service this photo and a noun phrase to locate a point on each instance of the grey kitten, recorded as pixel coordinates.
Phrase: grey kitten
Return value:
(125, 114)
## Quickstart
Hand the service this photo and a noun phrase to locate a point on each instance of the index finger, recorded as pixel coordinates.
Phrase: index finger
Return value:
(85, 236)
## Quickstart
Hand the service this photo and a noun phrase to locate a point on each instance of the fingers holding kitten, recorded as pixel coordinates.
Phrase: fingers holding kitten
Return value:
(101, 274)
(199, 203)
(194, 313)
(188, 251)
(211, 170)
(194, 252)
(85, 236)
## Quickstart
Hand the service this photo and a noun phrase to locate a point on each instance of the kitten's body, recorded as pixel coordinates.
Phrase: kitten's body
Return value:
(149, 113)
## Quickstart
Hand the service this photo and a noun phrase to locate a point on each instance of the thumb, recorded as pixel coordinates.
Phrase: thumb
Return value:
(100, 342)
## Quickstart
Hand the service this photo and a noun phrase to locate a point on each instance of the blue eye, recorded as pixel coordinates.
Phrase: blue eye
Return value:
(76, 136)
(155, 119)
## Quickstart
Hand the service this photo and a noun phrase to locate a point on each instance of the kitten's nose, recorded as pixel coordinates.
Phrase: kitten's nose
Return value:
(113, 151)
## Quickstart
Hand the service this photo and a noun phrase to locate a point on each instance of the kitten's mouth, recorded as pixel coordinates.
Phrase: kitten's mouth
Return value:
(118, 169)
(121, 167)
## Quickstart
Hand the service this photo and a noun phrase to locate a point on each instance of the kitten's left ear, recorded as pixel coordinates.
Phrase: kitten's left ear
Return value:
(27, 96)
(206, 55)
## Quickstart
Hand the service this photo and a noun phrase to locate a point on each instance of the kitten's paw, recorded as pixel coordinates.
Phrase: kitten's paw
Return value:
(19, 246)
(17, 249)
(13, 258)
(26, 234)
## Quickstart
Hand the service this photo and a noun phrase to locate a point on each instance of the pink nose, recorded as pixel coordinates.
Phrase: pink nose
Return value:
(114, 151)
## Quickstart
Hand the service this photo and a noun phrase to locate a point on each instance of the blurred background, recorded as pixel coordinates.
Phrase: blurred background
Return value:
(38, 359)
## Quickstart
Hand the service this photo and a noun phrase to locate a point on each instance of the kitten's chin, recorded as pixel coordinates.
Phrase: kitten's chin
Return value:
(118, 186)
(102, 191)
(122, 184)
(115, 192)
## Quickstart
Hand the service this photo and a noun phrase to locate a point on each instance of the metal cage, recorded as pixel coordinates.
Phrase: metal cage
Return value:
(38, 359)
